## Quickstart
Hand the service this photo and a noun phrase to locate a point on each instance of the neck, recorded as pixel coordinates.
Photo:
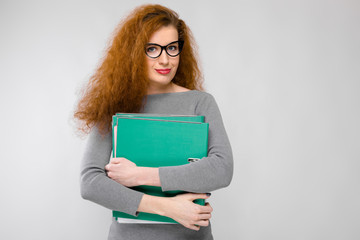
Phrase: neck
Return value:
(156, 89)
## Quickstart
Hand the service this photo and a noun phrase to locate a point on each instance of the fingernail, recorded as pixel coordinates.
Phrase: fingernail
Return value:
(208, 194)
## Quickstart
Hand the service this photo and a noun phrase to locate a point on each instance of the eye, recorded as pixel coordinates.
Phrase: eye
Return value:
(173, 48)
(150, 49)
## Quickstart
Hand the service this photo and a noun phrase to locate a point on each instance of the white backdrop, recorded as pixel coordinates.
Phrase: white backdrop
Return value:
(285, 74)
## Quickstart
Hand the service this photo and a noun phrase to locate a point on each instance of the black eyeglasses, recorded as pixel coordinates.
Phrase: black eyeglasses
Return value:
(173, 49)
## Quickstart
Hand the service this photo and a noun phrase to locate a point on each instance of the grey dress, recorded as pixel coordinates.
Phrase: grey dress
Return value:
(206, 175)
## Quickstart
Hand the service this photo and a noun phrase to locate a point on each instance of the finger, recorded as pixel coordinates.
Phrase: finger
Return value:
(193, 196)
(107, 167)
(205, 209)
(207, 204)
(194, 227)
(205, 216)
(115, 160)
(203, 223)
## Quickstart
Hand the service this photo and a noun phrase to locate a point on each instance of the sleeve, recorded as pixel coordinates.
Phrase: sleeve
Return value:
(96, 186)
(212, 172)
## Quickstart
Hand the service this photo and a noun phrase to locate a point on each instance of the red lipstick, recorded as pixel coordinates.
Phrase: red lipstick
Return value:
(163, 71)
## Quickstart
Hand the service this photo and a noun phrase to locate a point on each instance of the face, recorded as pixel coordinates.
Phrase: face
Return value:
(161, 70)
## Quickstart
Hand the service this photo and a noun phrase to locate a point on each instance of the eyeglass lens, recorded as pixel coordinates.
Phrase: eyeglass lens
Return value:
(155, 50)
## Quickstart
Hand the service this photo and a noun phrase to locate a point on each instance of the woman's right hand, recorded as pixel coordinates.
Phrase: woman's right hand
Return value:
(191, 215)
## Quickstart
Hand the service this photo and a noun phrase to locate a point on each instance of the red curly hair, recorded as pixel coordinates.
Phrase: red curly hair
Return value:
(120, 82)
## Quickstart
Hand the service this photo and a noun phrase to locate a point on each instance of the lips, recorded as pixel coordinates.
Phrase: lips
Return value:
(163, 71)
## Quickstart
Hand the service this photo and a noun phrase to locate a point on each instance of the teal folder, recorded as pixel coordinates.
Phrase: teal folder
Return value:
(157, 141)
(184, 118)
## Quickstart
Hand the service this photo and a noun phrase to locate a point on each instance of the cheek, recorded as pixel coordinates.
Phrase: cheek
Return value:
(149, 63)
(175, 62)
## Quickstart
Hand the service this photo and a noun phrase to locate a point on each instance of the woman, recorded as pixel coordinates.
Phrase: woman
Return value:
(150, 67)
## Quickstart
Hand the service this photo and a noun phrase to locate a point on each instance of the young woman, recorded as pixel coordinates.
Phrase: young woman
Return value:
(150, 67)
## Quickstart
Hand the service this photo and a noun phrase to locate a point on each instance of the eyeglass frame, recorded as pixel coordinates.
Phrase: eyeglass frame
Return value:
(181, 45)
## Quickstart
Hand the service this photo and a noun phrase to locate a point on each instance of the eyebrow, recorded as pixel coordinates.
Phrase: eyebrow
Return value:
(162, 45)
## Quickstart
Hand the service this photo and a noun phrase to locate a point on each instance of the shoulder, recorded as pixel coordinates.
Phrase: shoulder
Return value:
(204, 96)
(205, 101)
(199, 95)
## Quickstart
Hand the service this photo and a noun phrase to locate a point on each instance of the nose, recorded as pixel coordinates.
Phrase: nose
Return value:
(163, 58)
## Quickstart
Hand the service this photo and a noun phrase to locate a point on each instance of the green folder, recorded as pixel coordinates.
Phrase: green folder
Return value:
(157, 141)
(185, 118)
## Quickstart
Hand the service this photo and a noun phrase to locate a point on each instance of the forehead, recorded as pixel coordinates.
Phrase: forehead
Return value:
(164, 35)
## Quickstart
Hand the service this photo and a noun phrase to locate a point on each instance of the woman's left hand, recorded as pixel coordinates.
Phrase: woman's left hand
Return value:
(123, 171)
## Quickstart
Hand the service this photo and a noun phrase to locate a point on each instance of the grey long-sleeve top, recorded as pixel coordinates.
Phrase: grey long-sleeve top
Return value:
(208, 174)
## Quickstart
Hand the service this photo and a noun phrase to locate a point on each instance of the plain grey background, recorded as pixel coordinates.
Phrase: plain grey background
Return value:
(286, 77)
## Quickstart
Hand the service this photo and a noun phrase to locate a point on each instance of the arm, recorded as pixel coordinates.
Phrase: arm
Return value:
(208, 174)
(96, 186)
(128, 174)
(212, 172)
(180, 208)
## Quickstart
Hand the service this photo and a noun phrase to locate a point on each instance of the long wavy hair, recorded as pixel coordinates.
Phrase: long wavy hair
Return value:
(120, 82)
